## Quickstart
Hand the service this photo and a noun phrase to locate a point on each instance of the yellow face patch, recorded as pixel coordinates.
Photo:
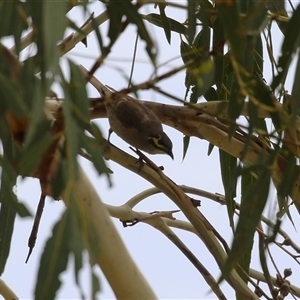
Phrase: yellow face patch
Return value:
(156, 142)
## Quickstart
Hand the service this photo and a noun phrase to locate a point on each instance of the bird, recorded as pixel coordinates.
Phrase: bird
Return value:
(136, 124)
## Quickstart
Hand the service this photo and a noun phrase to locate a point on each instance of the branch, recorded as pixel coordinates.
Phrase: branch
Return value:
(114, 260)
(199, 222)
(7, 292)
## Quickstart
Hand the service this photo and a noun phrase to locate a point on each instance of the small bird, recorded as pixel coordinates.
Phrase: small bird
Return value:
(137, 125)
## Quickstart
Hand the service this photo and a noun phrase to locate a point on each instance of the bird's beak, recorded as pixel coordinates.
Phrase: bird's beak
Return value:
(170, 153)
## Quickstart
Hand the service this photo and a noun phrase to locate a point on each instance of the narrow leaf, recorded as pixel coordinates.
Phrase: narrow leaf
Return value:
(250, 214)
(165, 22)
(174, 25)
(191, 20)
(289, 45)
(228, 165)
(54, 258)
(186, 142)
(7, 219)
(229, 14)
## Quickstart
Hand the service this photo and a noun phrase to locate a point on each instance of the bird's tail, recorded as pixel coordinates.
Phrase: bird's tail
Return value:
(103, 90)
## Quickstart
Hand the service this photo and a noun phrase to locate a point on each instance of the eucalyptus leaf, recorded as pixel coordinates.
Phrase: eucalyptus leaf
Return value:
(174, 25)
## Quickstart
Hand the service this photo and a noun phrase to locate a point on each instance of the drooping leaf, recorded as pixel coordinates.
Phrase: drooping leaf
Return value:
(256, 19)
(98, 35)
(200, 76)
(9, 202)
(75, 108)
(115, 19)
(277, 7)
(228, 165)
(165, 22)
(13, 18)
(186, 142)
(229, 14)
(93, 147)
(134, 17)
(54, 259)
(11, 97)
(211, 95)
(32, 153)
(7, 220)
(174, 25)
(78, 96)
(258, 56)
(60, 179)
(236, 101)
(247, 182)
(295, 103)
(218, 47)
(95, 284)
(250, 214)
(291, 174)
(210, 148)
(263, 94)
(48, 33)
(8, 211)
(288, 48)
(191, 20)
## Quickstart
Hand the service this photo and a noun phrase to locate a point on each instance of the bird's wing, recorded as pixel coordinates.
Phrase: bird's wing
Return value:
(129, 114)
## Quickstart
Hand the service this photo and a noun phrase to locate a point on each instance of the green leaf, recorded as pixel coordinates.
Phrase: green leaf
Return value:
(37, 114)
(11, 97)
(229, 14)
(256, 19)
(32, 154)
(134, 17)
(236, 100)
(78, 96)
(258, 56)
(60, 180)
(289, 46)
(7, 220)
(98, 35)
(174, 25)
(277, 7)
(211, 95)
(21, 209)
(228, 164)
(210, 149)
(54, 258)
(92, 147)
(218, 47)
(201, 74)
(295, 103)
(186, 142)
(165, 22)
(48, 32)
(263, 94)
(8, 211)
(95, 284)
(188, 52)
(13, 20)
(75, 108)
(291, 175)
(247, 182)
(191, 20)
(115, 19)
(250, 213)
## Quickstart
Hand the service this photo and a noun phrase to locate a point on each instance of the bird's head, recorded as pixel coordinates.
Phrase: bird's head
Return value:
(162, 144)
